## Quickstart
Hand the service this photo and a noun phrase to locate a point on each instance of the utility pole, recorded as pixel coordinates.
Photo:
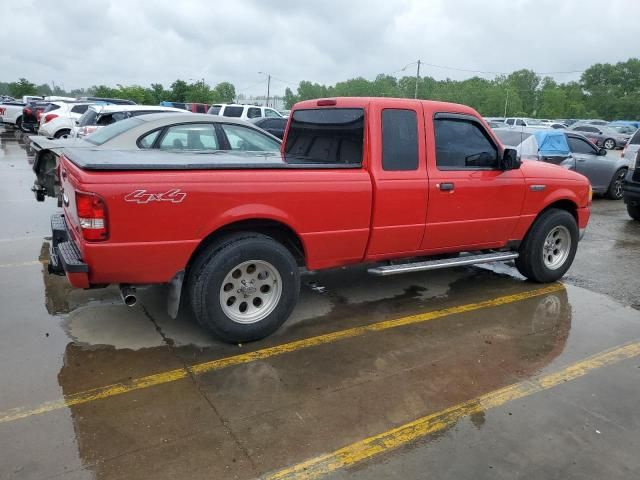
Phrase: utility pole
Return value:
(505, 104)
(268, 87)
(415, 95)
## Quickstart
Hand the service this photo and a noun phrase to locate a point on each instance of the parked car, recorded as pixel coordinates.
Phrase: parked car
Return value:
(31, 115)
(623, 129)
(595, 122)
(58, 118)
(275, 126)
(495, 123)
(98, 116)
(11, 114)
(631, 183)
(189, 107)
(602, 135)
(524, 122)
(177, 131)
(572, 151)
(112, 101)
(236, 227)
(244, 112)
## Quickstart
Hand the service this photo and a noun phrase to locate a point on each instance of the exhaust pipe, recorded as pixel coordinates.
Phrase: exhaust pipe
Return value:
(128, 295)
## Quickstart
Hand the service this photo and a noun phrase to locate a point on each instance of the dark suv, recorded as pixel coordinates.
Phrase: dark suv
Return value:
(631, 184)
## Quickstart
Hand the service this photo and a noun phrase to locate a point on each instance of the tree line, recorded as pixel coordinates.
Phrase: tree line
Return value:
(608, 91)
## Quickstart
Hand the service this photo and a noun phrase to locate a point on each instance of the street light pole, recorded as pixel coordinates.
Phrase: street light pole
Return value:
(268, 85)
(415, 95)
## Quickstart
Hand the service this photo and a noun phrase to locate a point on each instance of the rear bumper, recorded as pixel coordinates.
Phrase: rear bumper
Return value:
(64, 256)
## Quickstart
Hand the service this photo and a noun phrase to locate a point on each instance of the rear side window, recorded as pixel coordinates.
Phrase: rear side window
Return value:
(463, 144)
(509, 121)
(88, 118)
(519, 122)
(248, 139)
(214, 110)
(79, 108)
(399, 140)
(635, 140)
(253, 113)
(232, 112)
(107, 133)
(193, 136)
(49, 108)
(326, 135)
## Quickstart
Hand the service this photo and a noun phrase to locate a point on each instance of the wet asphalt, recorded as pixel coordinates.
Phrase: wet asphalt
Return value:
(279, 406)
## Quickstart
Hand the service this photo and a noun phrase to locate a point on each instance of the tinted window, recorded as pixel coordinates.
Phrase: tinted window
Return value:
(519, 122)
(463, 144)
(147, 140)
(109, 118)
(48, 108)
(327, 135)
(399, 140)
(232, 112)
(509, 121)
(252, 113)
(636, 138)
(578, 145)
(107, 133)
(586, 129)
(214, 110)
(249, 140)
(271, 113)
(79, 108)
(511, 138)
(193, 136)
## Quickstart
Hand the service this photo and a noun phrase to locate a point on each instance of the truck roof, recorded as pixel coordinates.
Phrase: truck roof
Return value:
(363, 102)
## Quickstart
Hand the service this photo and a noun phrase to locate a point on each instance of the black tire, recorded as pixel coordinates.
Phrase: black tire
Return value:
(634, 211)
(614, 192)
(531, 261)
(19, 123)
(208, 272)
(62, 133)
(611, 144)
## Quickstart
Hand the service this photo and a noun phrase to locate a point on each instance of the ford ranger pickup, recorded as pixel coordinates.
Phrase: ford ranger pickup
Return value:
(401, 185)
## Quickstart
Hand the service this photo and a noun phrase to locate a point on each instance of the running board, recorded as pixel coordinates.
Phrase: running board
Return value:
(446, 263)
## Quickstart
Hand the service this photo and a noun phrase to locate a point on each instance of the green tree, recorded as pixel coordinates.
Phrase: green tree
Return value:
(179, 90)
(289, 98)
(525, 83)
(22, 87)
(224, 92)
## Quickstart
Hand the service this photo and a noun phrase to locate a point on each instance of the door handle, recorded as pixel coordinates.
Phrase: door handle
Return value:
(446, 187)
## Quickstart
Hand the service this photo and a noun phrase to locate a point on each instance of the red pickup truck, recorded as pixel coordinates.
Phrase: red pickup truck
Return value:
(403, 185)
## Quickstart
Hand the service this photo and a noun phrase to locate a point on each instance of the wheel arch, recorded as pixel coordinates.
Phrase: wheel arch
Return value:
(275, 229)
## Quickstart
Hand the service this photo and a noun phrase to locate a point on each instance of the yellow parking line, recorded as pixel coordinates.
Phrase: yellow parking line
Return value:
(384, 442)
(200, 368)
(22, 264)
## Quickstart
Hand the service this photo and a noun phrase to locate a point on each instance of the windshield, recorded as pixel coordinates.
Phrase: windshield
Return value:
(109, 132)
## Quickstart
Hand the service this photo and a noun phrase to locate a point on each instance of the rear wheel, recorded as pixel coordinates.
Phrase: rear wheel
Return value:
(609, 144)
(549, 248)
(19, 123)
(64, 133)
(244, 288)
(615, 187)
(634, 211)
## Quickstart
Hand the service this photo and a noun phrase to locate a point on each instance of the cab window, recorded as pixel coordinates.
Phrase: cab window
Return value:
(463, 144)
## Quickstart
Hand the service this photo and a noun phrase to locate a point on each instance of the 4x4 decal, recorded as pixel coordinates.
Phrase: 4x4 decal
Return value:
(174, 195)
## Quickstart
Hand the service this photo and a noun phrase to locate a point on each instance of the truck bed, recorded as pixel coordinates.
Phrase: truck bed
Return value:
(118, 160)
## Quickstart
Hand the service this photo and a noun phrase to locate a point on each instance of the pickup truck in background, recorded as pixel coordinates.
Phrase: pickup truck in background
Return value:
(402, 185)
(11, 113)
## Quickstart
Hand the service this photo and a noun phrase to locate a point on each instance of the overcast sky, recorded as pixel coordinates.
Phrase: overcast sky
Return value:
(79, 44)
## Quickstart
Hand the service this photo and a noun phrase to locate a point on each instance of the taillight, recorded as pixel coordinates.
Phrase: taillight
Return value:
(92, 216)
(49, 116)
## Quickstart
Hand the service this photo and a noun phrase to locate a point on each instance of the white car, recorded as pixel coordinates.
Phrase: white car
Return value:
(57, 120)
(98, 116)
(11, 113)
(243, 112)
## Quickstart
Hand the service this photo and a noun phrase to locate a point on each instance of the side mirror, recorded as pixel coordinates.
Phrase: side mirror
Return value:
(602, 152)
(509, 160)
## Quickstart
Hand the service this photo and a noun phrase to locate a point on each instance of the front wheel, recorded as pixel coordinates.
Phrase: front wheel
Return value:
(609, 144)
(615, 187)
(64, 133)
(549, 248)
(634, 211)
(244, 288)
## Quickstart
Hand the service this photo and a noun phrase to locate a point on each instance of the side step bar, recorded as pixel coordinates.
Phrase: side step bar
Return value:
(446, 263)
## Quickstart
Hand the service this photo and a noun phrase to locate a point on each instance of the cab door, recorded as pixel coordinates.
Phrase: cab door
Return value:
(399, 176)
(472, 202)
